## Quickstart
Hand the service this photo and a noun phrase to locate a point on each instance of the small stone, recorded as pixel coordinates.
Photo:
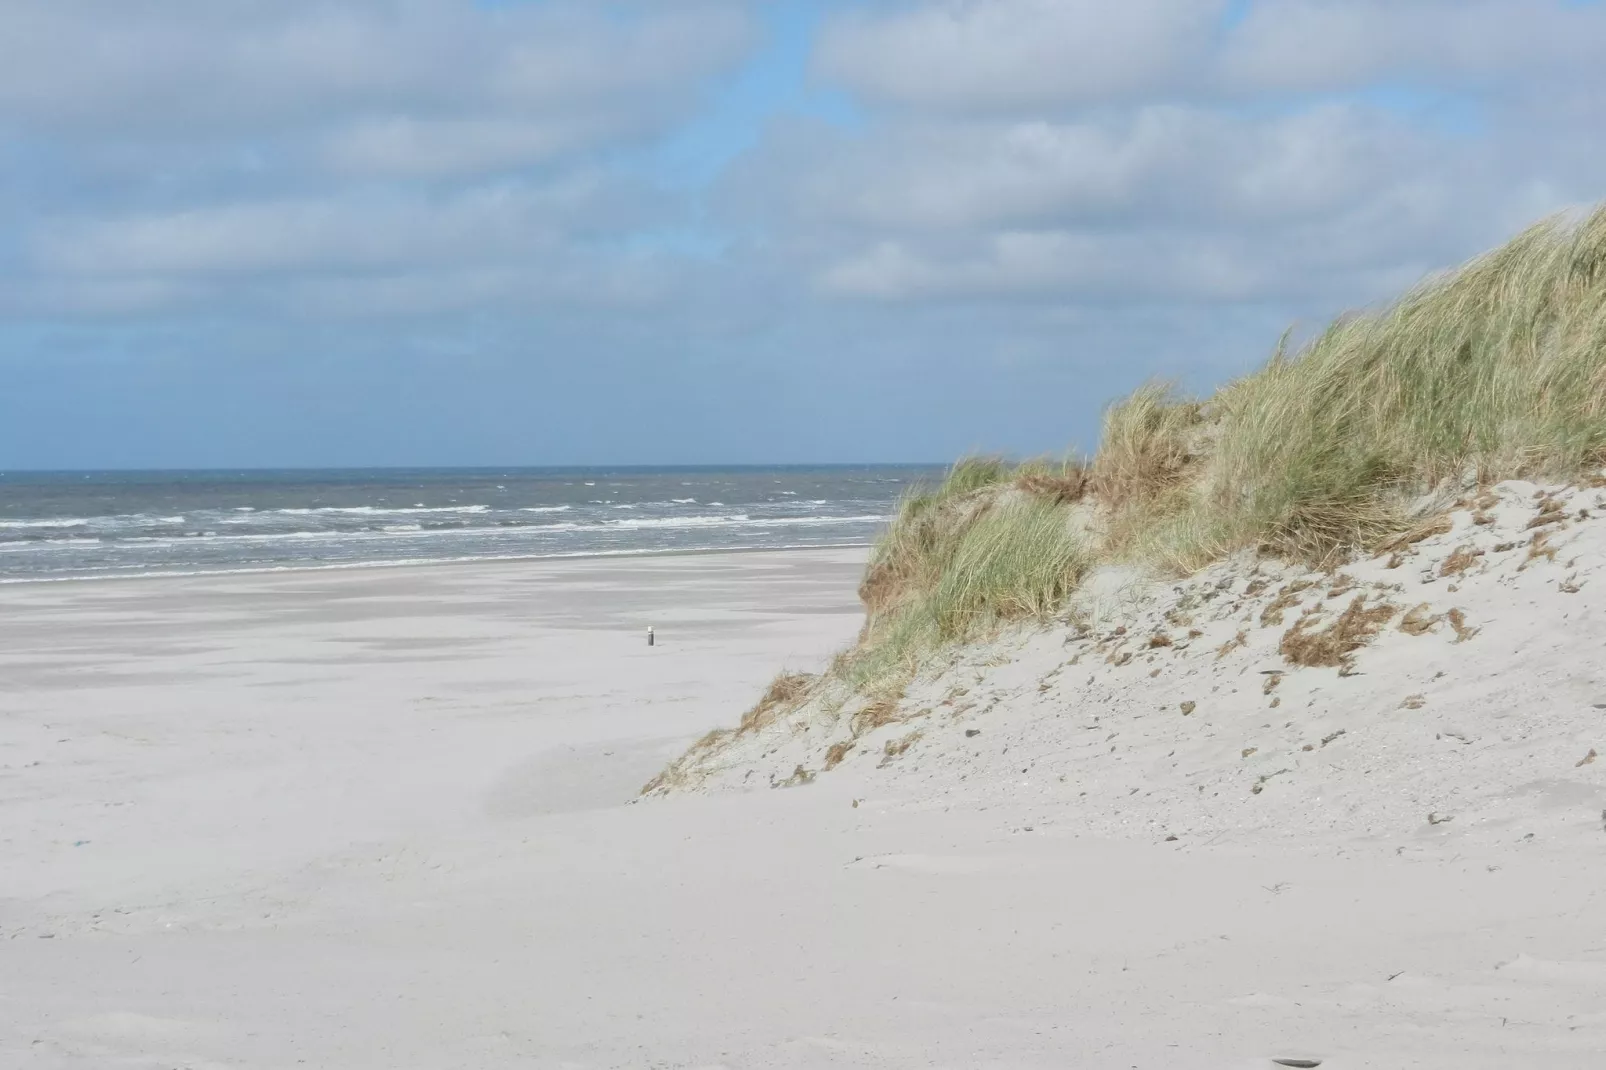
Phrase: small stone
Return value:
(972, 733)
(1301, 1064)
(1170, 839)
(1440, 819)
(1188, 707)
(1588, 759)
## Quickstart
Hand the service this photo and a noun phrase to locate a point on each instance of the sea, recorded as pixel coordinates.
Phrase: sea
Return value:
(78, 525)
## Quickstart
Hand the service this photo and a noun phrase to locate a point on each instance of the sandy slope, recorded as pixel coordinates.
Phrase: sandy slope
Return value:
(1462, 735)
(380, 820)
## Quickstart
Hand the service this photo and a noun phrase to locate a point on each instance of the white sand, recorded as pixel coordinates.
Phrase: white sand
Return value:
(377, 819)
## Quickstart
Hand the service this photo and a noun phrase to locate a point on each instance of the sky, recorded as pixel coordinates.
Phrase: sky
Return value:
(272, 233)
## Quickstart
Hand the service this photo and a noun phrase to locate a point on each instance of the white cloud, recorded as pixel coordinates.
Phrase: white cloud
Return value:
(231, 66)
(221, 153)
(402, 146)
(1326, 44)
(1146, 165)
(1023, 162)
(955, 55)
(1019, 53)
(1083, 154)
(348, 231)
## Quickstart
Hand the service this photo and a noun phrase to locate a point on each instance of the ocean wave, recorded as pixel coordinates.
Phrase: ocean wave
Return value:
(380, 510)
(21, 546)
(419, 562)
(738, 520)
(425, 532)
(47, 522)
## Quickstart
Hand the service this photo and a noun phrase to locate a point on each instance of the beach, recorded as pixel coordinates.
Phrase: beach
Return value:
(386, 818)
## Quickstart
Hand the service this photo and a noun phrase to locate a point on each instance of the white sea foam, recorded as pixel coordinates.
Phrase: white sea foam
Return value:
(416, 562)
(50, 522)
(380, 510)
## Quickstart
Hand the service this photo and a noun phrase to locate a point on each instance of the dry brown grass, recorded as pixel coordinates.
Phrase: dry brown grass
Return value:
(680, 772)
(876, 714)
(1420, 620)
(1539, 548)
(1287, 598)
(800, 776)
(1551, 511)
(1357, 626)
(897, 748)
(1343, 583)
(1146, 447)
(836, 752)
(1439, 525)
(1060, 488)
(1458, 621)
(1237, 642)
(786, 692)
(1458, 562)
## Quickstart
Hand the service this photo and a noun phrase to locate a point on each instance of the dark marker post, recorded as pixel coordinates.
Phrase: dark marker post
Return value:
(649, 635)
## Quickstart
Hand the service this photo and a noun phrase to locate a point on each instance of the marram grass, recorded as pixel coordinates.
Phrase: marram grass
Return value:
(1496, 370)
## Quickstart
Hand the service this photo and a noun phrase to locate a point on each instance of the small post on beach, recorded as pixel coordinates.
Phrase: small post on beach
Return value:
(649, 635)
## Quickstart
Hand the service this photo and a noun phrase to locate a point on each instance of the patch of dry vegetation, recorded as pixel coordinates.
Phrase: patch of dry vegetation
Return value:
(1439, 525)
(1286, 599)
(1420, 620)
(1069, 484)
(1357, 626)
(1458, 562)
(786, 693)
(681, 771)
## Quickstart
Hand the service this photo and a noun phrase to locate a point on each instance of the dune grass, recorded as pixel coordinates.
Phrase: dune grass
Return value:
(1497, 370)
(960, 559)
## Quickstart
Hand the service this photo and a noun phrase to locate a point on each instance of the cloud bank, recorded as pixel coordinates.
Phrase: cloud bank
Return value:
(979, 218)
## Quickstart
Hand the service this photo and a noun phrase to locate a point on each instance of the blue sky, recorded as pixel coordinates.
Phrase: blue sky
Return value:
(347, 232)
